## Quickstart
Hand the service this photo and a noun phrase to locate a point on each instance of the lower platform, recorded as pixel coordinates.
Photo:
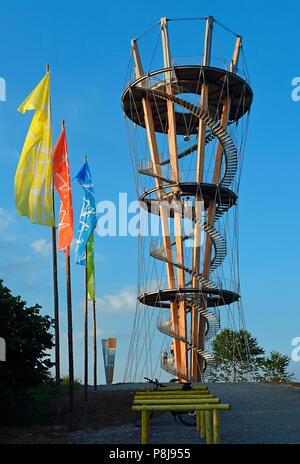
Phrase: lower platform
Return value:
(211, 297)
(224, 197)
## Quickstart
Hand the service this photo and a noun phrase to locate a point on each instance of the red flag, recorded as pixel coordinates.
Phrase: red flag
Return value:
(62, 184)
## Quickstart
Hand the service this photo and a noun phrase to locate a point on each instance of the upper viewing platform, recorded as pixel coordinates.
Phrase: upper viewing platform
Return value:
(183, 76)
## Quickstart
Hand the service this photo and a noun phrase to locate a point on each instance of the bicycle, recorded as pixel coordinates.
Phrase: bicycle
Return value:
(187, 418)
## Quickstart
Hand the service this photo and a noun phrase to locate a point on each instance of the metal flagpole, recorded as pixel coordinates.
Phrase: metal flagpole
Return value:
(95, 344)
(85, 324)
(70, 325)
(70, 332)
(56, 314)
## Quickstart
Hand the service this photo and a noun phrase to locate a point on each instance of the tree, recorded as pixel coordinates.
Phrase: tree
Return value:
(28, 338)
(237, 356)
(274, 368)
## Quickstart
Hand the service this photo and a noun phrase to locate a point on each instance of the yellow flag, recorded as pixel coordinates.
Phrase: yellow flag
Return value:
(33, 180)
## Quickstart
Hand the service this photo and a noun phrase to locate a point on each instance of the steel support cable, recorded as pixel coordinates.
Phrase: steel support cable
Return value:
(226, 28)
(137, 334)
(220, 50)
(139, 120)
(201, 18)
(147, 333)
(155, 48)
(147, 31)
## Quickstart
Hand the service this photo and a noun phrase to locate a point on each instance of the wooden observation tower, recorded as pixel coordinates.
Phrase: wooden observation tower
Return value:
(187, 135)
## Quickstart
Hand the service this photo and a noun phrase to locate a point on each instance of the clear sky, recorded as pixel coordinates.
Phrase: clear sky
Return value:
(87, 44)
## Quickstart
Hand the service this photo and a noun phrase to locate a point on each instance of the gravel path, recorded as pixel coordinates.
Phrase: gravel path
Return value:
(260, 414)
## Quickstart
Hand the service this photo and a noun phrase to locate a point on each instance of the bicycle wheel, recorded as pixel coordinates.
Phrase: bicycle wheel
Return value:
(187, 418)
(137, 418)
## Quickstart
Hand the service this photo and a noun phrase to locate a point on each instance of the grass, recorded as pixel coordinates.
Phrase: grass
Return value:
(47, 391)
(25, 407)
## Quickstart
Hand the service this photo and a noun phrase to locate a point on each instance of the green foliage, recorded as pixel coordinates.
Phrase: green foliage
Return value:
(65, 381)
(17, 407)
(47, 390)
(237, 356)
(274, 368)
(28, 338)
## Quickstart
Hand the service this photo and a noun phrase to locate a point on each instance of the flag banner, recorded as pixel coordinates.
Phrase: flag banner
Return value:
(109, 354)
(33, 179)
(62, 185)
(91, 268)
(88, 216)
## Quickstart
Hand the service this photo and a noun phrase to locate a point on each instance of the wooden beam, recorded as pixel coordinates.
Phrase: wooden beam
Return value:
(137, 62)
(215, 180)
(236, 53)
(208, 41)
(164, 216)
(166, 47)
(197, 320)
(218, 162)
(181, 354)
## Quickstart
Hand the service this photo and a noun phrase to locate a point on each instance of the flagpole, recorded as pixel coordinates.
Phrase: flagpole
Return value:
(56, 314)
(85, 331)
(85, 323)
(70, 332)
(70, 324)
(95, 343)
(56, 322)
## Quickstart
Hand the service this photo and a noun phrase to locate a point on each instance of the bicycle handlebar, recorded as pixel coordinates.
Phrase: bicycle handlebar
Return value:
(149, 380)
(185, 385)
(155, 382)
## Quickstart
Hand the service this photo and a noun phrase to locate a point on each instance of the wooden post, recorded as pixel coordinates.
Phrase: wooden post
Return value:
(157, 170)
(216, 426)
(198, 321)
(56, 309)
(235, 59)
(215, 180)
(198, 424)
(202, 424)
(216, 175)
(212, 204)
(95, 344)
(145, 427)
(208, 428)
(218, 161)
(180, 348)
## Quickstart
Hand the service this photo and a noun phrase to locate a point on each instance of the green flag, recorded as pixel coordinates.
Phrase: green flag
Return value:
(91, 268)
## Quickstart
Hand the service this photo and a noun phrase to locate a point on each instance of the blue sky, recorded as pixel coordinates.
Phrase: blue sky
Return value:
(87, 45)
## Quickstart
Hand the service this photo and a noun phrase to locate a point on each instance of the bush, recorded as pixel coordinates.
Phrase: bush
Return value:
(28, 338)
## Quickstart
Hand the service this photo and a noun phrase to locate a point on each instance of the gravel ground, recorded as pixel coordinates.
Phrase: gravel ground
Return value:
(260, 414)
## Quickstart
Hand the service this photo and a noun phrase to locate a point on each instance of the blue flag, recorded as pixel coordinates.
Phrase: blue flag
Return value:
(88, 216)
